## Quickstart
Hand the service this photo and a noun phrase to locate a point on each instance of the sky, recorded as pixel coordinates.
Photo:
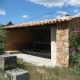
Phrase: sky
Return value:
(20, 11)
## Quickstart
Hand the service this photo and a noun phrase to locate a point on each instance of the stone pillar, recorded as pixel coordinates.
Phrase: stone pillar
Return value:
(53, 46)
(62, 42)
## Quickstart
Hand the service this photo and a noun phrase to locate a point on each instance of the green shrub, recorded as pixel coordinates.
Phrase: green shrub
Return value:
(3, 75)
(75, 48)
(75, 70)
(2, 39)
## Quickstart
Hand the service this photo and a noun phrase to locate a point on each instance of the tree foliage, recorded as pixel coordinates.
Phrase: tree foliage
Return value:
(9, 23)
(2, 39)
(1, 25)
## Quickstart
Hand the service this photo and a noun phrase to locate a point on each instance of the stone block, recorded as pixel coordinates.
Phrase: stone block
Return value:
(18, 74)
(8, 61)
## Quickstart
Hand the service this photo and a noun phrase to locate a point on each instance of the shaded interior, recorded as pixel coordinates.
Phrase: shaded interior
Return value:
(30, 39)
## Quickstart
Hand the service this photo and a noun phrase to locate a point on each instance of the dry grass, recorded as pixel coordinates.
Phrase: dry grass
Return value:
(47, 73)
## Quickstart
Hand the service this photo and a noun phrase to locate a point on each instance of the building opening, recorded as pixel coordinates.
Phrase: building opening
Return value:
(41, 43)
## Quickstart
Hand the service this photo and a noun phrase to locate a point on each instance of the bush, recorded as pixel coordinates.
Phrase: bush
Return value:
(75, 48)
(2, 39)
(3, 75)
(75, 70)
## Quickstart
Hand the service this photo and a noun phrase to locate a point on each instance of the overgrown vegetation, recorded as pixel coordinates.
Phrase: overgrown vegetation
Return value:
(2, 39)
(75, 48)
(3, 75)
(47, 73)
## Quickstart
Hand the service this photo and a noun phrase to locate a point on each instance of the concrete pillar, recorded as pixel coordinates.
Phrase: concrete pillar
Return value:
(53, 46)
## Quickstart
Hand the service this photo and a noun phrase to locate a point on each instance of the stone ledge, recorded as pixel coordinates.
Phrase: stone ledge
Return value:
(13, 52)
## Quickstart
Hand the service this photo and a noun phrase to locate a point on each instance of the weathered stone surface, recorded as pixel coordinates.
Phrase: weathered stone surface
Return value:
(62, 40)
(8, 61)
(18, 74)
(74, 24)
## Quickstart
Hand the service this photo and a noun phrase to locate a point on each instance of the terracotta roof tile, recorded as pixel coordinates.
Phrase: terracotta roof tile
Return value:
(43, 22)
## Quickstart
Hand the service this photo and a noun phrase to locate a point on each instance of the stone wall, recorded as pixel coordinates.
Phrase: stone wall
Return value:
(74, 24)
(62, 40)
(62, 44)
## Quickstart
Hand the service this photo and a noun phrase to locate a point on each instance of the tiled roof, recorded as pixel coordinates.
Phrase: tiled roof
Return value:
(43, 22)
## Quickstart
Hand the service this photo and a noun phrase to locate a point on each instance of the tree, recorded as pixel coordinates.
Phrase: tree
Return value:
(2, 39)
(9, 23)
(2, 25)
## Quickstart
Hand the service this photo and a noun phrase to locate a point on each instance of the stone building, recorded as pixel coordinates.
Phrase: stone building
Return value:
(47, 35)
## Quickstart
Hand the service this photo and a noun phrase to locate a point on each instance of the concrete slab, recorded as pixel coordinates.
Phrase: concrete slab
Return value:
(39, 61)
(18, 74)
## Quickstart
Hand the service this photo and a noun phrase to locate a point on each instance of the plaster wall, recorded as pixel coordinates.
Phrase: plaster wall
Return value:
(24, 37)
(53, 46)
(18, 38)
